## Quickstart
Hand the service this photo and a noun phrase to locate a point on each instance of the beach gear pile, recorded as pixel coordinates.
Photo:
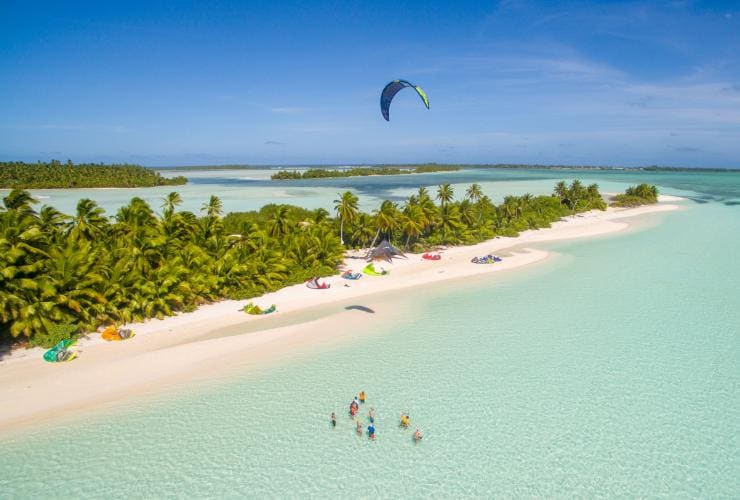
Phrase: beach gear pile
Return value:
(254, 309)
(431, 256)
(487, 259)
(370, 270)
(315, 284)
(113, 334)
(349, 275)
(60, 353)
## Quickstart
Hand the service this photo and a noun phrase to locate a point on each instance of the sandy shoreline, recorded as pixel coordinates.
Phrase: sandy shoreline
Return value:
(183, 346)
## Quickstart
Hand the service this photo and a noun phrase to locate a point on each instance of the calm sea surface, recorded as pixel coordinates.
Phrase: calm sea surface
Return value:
(612, 370)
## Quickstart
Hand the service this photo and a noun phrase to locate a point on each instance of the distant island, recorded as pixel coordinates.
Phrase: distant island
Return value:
(321, 173)
(441, 167)
(58, 175)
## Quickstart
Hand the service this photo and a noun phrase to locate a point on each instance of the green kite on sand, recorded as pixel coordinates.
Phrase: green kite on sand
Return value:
(255, 309)
(370, 271)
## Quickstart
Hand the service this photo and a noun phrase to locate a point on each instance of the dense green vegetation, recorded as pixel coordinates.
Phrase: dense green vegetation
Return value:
(88, 270)
(321, 173)
(636, 195)
(20, 175)
(62, 273)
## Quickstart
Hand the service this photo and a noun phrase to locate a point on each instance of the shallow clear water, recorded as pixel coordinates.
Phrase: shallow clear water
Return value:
(250, 189)
(611, 370)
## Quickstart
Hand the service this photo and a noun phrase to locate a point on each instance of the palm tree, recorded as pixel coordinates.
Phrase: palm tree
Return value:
(214, 208)
(89, 222)
(362, 229)
(346, 208)
(280, 222)
(170, 202)
(51, 220)
(412, 223)
(561, 191)
(445, 194)
(386, 219)
(474, 192)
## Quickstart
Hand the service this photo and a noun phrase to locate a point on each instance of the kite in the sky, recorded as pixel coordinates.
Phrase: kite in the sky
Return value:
(392, 89)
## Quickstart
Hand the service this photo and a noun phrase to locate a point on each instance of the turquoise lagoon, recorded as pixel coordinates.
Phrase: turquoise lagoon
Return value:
(612, 370)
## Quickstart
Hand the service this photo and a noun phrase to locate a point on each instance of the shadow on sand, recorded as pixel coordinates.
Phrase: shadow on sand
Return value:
(360, 308)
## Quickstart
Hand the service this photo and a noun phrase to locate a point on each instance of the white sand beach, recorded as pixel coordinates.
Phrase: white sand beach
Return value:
(191, 344)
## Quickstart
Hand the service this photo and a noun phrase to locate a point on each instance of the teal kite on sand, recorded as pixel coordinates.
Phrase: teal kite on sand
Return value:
(60, 352)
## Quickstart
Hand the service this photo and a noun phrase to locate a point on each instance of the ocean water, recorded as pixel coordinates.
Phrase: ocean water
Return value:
(611, 370)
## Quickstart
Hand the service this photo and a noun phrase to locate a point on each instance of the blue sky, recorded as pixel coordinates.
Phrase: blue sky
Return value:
(164, 83)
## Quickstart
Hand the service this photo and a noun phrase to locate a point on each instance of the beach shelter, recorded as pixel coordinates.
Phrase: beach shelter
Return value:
(384, 251)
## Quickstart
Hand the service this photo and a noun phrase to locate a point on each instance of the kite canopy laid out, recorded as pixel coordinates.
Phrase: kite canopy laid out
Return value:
(370, 271)
(486, 259)
(384, 251)
(349, 275)
(113, 333)
(431, 256)
(314, 284)
(392, 89)
(60, 352)
(255, 309)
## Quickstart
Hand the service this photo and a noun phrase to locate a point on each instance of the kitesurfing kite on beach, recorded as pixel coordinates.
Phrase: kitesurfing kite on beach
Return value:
(392, 89)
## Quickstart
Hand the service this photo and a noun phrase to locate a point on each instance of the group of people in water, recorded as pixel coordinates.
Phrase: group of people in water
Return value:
(354, 408)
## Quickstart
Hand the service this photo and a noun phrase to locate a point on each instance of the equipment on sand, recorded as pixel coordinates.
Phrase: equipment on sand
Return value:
(486, 259)
(251, 308)
(113, 334)
(314, 284)
(370, 271)
(431, 256)
(60, 353)
(349, 275)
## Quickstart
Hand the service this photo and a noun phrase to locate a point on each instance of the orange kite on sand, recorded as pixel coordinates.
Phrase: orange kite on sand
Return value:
(113, 333)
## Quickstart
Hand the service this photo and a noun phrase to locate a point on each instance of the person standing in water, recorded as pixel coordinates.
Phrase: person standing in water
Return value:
(418, 435)
(371, 415)
(371, 431)
(362, 396)
(359, 427)
(404, 420)
(333, 419)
